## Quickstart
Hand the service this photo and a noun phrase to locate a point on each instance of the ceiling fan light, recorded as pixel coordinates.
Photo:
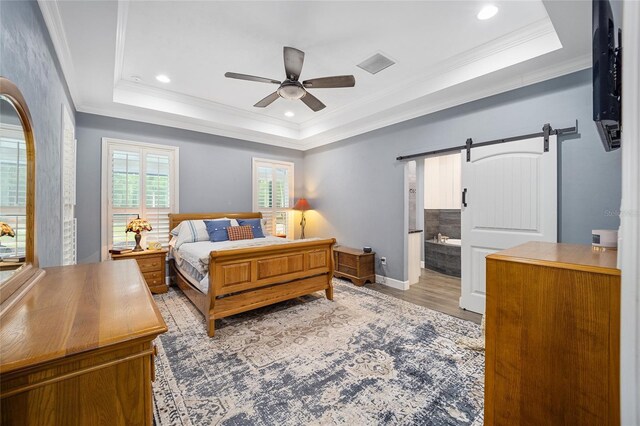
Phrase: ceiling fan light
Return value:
(291, 91)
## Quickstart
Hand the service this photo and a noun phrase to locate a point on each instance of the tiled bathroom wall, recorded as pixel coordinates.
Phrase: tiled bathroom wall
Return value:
(444, 221)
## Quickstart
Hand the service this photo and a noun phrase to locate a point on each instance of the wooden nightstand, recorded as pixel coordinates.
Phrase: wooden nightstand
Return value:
(354, 264)
(152, 266)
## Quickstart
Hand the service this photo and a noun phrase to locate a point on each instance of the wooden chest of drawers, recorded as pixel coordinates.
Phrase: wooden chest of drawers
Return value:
(552, 336)
(78, 350)
(354, 265)
(152, 266)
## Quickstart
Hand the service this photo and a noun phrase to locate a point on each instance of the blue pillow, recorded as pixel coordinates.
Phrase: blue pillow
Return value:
(217, 229)
(256, 227)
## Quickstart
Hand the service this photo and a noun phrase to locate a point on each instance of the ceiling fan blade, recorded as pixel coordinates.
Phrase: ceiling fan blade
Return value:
(268, 100)
(250, 78)
(293, 60)
(312, 102)
(329, 82)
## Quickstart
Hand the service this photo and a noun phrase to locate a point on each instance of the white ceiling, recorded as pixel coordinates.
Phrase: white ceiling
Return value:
(439, 48)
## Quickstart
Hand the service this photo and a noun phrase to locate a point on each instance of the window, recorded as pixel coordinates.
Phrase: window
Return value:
(13, 189)
(273, 194)
(137, 179)
(68, 190)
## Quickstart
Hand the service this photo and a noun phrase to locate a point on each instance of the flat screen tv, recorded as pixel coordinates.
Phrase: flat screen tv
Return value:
(607, 60)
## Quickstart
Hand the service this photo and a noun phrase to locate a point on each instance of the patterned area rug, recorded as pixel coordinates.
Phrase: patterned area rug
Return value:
(365, 358)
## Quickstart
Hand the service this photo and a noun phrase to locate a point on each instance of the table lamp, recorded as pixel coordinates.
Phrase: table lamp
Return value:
(138, 225)
(302, 205)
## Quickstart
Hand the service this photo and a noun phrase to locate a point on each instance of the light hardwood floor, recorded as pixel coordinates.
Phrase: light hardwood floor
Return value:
(434, 291)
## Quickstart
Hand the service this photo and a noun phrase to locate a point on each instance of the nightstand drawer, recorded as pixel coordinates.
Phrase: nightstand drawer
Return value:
(153, 264)
(150, 276)
(153, 279)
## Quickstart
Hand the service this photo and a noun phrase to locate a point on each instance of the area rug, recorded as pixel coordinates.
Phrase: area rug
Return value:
(363, 359)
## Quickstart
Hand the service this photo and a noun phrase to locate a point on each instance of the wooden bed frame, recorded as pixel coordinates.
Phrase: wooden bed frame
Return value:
(253, 277)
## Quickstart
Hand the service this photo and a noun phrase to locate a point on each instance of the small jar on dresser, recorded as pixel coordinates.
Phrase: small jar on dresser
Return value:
(151, 264)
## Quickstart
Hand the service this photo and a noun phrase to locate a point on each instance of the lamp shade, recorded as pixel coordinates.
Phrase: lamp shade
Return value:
(302, 205)
(138, 225)
(5, 229)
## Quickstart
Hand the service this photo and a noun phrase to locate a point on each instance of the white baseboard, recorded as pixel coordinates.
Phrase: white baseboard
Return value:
(422, 264)
(390, 282)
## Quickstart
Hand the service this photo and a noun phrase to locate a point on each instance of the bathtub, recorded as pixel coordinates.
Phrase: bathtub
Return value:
(443, 257)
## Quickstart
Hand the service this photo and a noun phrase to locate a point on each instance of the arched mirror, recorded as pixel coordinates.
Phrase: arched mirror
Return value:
(18, 260)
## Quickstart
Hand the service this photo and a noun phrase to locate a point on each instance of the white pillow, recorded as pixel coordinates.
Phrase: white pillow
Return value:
(192, 231)
(263, 225)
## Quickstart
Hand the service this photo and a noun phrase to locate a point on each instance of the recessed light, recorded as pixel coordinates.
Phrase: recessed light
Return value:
(289, 114)
(487, 12)
(163, 78)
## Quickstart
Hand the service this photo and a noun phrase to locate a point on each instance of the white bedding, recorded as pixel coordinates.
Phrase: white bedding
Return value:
(196, 255)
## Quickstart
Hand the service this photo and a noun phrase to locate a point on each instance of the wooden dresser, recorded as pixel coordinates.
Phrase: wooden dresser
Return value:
(152, 264)
(77, 348)
(552, 336)
(354, 264)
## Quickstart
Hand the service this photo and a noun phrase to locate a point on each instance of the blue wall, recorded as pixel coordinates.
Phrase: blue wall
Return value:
(27, 58)
(356, 185)
(215, 172)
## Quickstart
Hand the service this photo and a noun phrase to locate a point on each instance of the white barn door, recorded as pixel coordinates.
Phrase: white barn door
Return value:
(511, 198)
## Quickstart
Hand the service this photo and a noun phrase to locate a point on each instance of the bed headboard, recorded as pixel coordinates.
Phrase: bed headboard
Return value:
(176, 218)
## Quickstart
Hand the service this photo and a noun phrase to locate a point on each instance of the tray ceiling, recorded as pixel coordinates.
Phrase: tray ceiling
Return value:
(112, 51)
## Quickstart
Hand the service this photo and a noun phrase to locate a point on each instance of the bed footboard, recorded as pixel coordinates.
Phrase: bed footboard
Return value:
(259, 276)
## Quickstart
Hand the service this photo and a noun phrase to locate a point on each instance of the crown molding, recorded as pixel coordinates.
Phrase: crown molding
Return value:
(126, 112)
(383, 119)
(53, 21)
(129, 89)
(425, 106)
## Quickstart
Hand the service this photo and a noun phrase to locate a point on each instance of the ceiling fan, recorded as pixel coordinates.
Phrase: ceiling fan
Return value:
(291, 88)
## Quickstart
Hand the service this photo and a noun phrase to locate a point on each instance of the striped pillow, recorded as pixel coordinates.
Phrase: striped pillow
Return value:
(240, 233)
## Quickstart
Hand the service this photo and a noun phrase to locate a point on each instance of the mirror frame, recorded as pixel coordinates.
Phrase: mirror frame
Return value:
(12, 289)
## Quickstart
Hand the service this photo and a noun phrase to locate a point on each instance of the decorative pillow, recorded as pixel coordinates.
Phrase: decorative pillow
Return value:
(189, 231)
(240, 233)
(256, 228)
(218, 229)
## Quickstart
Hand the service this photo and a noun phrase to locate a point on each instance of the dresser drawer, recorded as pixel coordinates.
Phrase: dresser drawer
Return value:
(152, 264)
(347, 260)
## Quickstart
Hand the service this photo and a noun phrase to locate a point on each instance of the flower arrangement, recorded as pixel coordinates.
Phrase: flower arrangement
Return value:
(138, 225)
(5, 229)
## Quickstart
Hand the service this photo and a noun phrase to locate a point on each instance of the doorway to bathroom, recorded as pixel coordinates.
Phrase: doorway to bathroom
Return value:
(434, 227)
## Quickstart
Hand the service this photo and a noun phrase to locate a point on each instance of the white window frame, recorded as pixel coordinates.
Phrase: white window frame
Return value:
(68, 204)
(254, 189)
(107, 145)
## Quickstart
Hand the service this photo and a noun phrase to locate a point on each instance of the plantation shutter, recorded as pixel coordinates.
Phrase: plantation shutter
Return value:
(158, 196)
(125, 195)
(142, 181)
(69, 224)
(13, 196)
(273, 194)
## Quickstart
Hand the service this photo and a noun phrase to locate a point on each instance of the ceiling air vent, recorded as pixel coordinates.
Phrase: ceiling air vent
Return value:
(376, 63)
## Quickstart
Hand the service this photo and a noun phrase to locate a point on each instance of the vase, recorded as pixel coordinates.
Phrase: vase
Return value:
(138, 247)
